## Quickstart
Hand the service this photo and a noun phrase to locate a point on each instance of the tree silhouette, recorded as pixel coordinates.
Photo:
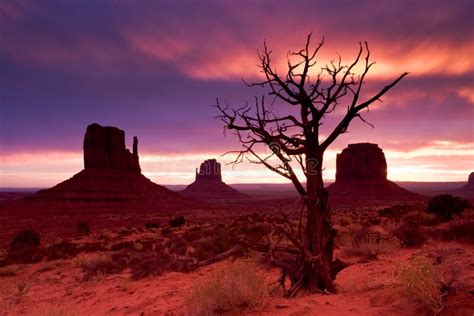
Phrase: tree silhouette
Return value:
(302, 247)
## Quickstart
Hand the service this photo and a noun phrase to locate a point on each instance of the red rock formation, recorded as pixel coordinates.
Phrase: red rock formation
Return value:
(107, 185)
(209, 170)
(361, 161)
(470, 181)
(361, 174)
(111, 173)
(209, 184)
(466, 191)
(104, 148)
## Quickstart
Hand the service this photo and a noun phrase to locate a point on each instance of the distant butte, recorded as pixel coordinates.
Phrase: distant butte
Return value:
(209, 185)
(470, 183)
(111, 173)
(467, 191)
(361, 173)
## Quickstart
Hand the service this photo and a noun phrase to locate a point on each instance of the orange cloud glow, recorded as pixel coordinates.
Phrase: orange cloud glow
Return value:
(431, 163)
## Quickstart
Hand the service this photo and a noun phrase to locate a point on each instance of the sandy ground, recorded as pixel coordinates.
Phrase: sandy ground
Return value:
(370, 288)
(367, 287)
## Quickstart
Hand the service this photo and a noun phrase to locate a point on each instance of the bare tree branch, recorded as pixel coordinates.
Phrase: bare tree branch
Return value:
(305, 254)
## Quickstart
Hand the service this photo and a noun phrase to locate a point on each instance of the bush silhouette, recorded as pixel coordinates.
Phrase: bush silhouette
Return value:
(177, 221)
(446, 205)
(151, 225)
(97, 266)
(410, 235)
(27, 238)
(83, 228)
(461, 232)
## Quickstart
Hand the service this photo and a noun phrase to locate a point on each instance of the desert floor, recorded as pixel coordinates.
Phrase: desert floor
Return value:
(59, 278)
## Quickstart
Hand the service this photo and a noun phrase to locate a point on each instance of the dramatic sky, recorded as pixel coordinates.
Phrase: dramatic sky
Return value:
(154, 68)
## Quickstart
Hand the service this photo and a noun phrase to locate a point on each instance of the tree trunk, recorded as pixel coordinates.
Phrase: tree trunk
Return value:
(319, 234)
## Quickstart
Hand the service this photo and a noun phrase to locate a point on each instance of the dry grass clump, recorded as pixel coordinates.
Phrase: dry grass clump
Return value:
(83, 228)
(460, 231)
(236, 287)
(395, 210)
(410, 235)
(208, 242)
(10, 270)
(97, 266)
(421, 218)
(149, 263)
(26, 239)
(421, 282)
(368, 244)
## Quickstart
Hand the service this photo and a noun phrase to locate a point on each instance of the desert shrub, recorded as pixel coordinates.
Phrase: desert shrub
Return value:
(395, 210)
(207, 247)
(166, 231)
(124, 231)
(122, 245)
(149, 263)
(460, 231)
(122, 257)
(178, 245)
(193, 234)
(27, 238)
(98, 265)
(421, 218)
(344, 221)
(177, 221)
(410, 235)
(48, 267)
(61, 250)
(254, 231)
(256, 217)
(420, 282)
(83, 228)
(152, 225)
(235, 287)
(446, 205)
(374, 221)
(370, 244)
(203, 248)
(10, 270)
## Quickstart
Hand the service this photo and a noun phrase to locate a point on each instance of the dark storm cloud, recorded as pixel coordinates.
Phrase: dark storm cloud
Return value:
(153, 68)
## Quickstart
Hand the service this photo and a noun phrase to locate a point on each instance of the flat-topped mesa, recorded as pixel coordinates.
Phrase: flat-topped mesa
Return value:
(209, 170)
(361, 174)
(361, 161)
(104, 148)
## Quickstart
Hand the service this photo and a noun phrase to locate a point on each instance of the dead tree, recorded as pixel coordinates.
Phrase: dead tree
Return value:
(304, 251)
